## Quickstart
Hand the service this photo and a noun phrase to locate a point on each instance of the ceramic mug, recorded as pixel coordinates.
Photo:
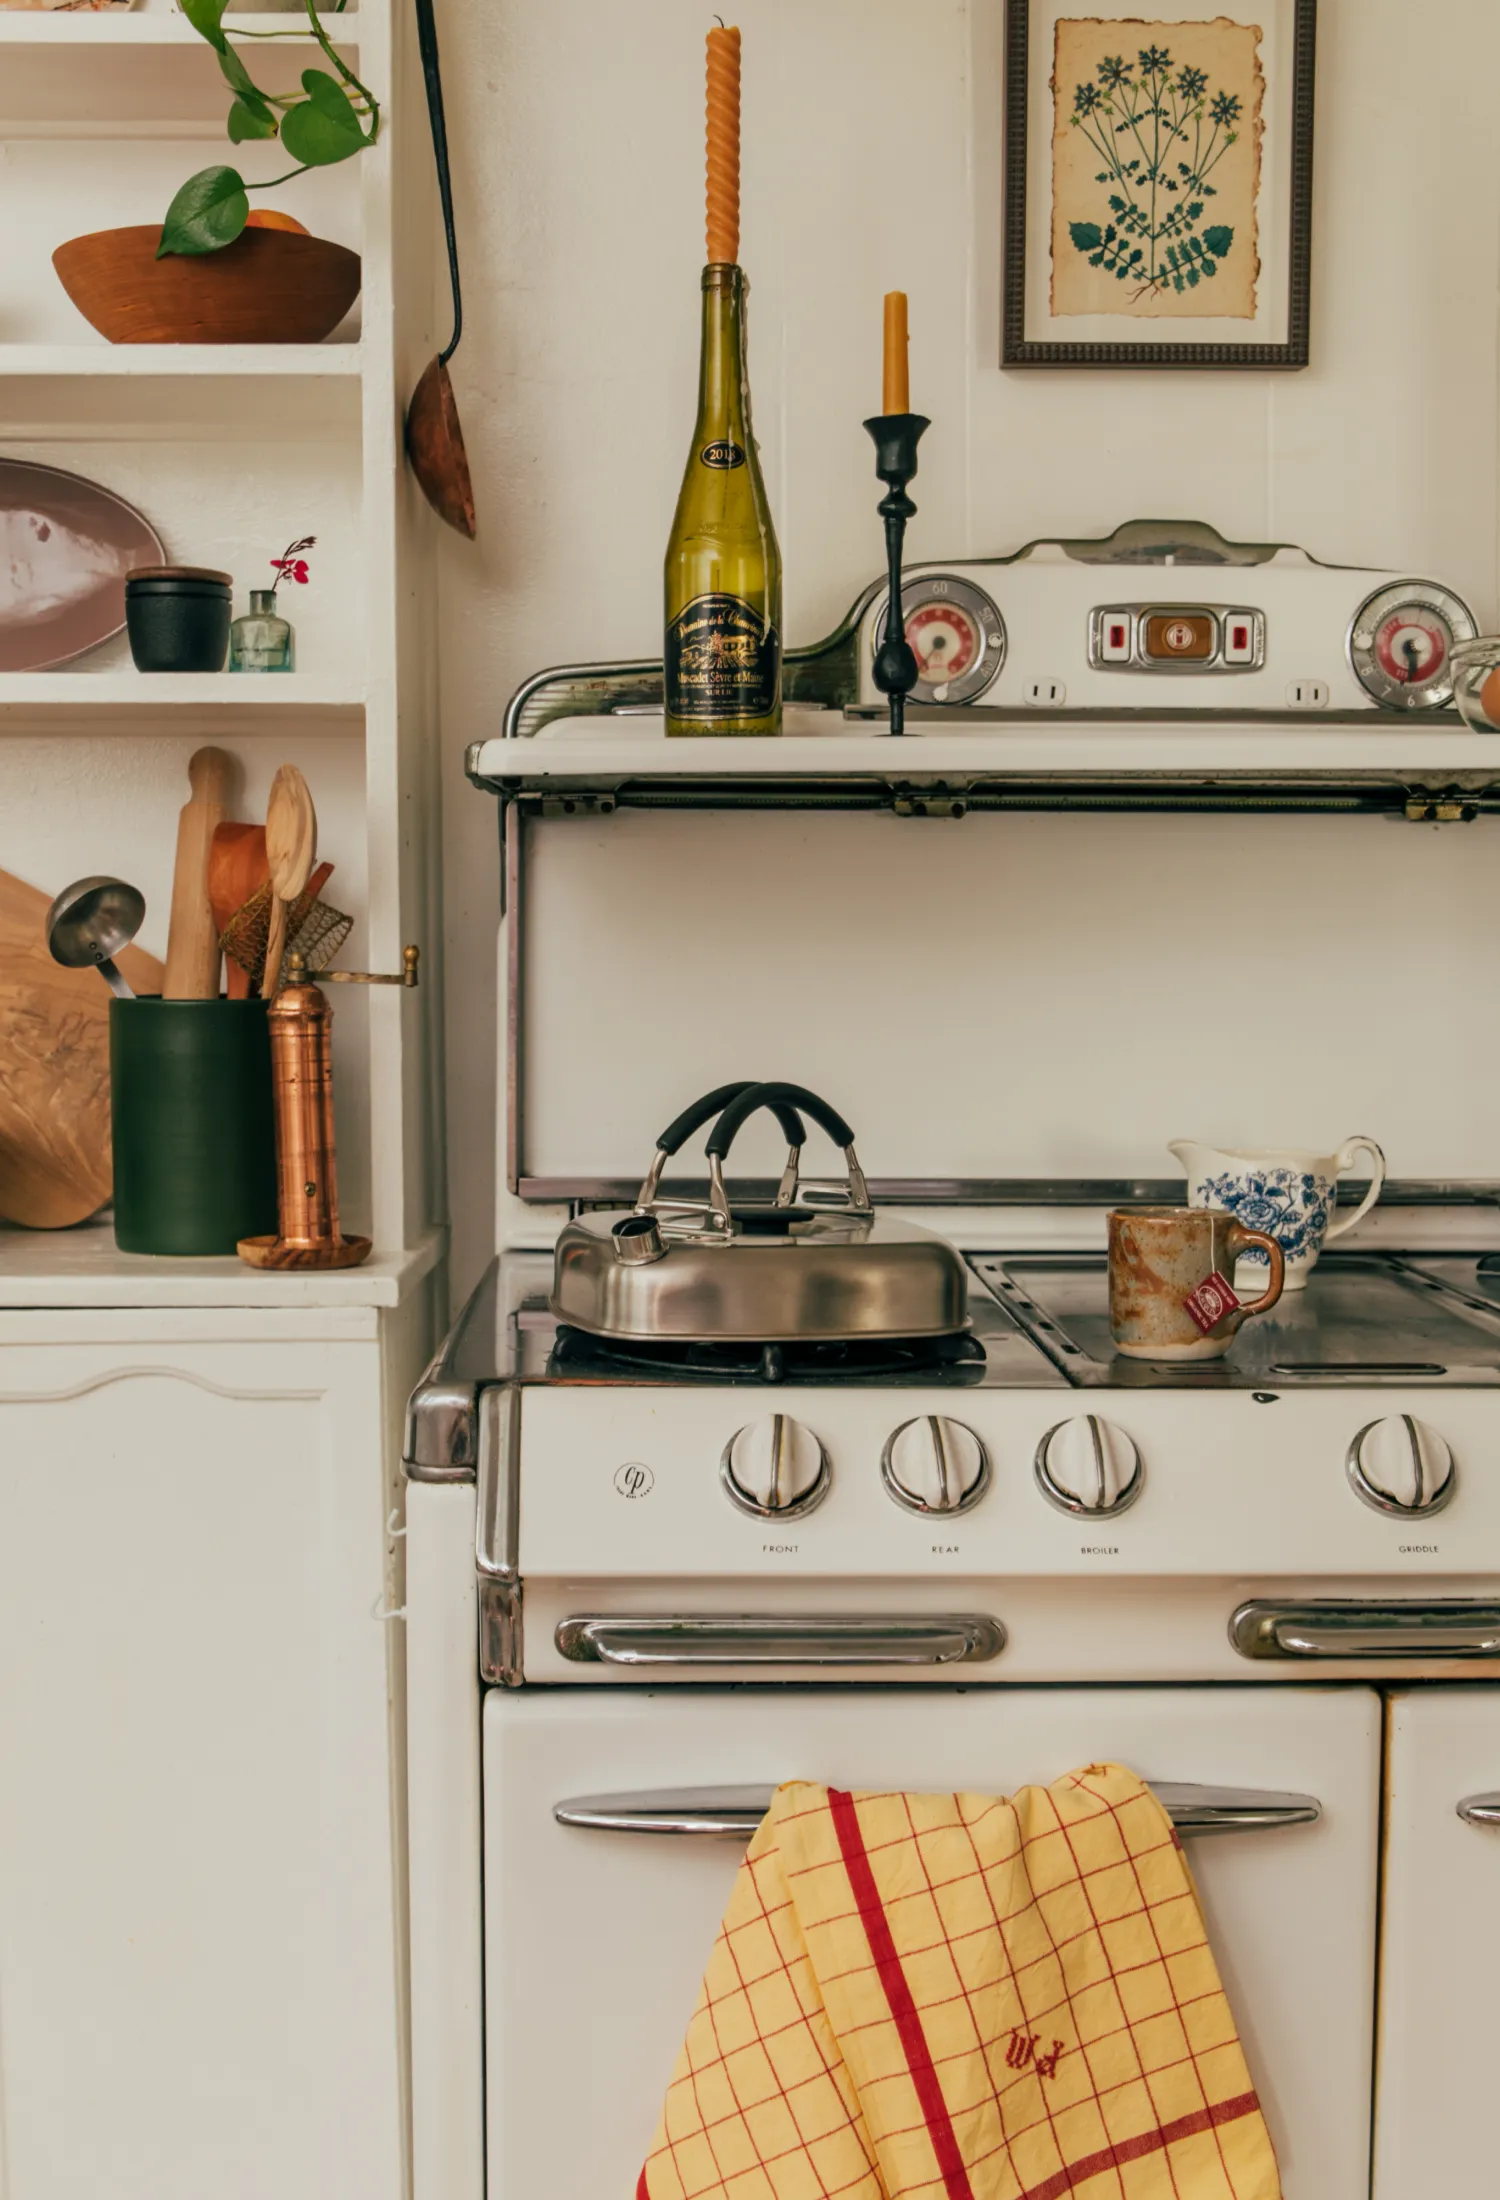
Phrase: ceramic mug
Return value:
(1170, 1297)
(1287, 1194)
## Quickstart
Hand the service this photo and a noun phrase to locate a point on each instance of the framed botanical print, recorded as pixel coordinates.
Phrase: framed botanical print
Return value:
(1158, 184)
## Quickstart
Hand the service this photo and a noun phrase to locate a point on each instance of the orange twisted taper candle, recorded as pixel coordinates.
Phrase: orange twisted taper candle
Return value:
(723, 144)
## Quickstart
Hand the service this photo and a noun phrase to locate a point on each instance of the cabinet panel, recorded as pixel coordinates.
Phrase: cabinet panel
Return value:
(1435, 2119)
(596, 1942)
(197, 1949)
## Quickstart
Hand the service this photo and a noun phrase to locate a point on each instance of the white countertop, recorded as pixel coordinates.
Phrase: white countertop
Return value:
(83, 1267)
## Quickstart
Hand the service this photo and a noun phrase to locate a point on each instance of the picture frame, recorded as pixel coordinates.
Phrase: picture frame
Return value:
(1158, 184)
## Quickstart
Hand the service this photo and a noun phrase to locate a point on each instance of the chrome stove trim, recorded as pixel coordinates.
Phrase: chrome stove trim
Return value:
(497, 1536)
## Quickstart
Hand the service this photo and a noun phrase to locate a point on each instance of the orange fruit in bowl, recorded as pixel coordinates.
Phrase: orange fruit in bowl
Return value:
(1489, 696)
(266, 217)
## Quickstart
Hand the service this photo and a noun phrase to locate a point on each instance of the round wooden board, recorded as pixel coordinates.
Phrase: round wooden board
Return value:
(54, 1069)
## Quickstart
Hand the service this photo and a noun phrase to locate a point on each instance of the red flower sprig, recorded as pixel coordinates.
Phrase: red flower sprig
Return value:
(291, 565)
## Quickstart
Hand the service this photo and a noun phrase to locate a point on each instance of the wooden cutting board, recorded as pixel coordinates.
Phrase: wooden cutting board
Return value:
(54, 1068)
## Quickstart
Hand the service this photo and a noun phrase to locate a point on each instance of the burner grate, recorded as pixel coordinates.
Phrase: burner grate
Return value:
(849, 1359)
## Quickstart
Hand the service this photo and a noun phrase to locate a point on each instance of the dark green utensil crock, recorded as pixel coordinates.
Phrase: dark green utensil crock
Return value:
(194, 1126)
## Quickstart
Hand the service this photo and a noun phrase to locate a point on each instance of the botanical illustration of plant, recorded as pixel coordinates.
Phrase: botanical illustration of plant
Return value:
(1161, 132)
(1156, 160)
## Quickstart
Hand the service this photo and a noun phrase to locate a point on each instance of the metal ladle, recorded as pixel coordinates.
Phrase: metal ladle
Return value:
(90, 922)
(434, 439)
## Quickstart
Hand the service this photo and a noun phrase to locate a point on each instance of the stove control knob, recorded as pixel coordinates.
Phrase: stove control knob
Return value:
(1400, 1465)
(934, 1465)
(775, 1468)
(1087, 1465)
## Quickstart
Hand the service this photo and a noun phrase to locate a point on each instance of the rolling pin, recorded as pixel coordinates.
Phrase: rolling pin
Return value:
(192, 936)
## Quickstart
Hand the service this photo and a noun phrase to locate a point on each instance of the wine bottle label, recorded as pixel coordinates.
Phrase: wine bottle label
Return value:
(723, 661)
(723, 456)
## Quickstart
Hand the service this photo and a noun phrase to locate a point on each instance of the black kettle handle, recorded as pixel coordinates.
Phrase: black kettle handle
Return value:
(776, 1097)
(693, 1118)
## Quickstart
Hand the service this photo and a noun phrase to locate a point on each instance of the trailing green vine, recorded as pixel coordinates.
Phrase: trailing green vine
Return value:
(331, 119)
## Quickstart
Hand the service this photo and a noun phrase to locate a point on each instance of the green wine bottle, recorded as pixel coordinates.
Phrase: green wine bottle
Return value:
(723, 568)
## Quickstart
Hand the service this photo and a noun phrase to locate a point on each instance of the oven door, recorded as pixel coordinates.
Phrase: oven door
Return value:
(596, 1939)
(1440, 1952)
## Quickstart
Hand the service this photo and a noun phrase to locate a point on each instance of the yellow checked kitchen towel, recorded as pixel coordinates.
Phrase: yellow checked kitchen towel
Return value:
(962, 1997)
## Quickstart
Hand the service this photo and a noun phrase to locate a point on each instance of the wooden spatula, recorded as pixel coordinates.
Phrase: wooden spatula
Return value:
(192, 936)
(237, 868)
(291, 849)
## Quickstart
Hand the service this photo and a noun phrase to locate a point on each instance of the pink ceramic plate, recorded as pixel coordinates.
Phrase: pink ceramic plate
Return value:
(66, 545)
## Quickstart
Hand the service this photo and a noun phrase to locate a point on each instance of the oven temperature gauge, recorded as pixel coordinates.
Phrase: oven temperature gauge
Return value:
(1401, 644)
(956, 634)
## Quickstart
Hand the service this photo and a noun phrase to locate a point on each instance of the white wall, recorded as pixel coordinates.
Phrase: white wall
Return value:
(872, 162)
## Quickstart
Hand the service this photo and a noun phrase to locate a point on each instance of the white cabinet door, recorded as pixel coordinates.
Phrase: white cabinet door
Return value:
(198, 1947)
(1436, 2122)
(596, 1942)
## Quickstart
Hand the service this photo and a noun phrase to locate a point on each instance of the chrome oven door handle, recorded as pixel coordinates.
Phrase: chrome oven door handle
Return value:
(1480, 1810)
(771, 1639)
(733, 1813)
(1447, 1627)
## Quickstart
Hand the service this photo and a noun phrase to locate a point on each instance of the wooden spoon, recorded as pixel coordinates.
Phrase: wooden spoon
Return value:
(434, 439)
(291, 849)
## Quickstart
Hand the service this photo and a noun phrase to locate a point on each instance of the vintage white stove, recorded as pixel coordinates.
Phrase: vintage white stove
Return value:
(642, 1590)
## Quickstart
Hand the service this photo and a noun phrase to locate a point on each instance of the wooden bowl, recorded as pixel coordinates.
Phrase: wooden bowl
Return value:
(268, 287)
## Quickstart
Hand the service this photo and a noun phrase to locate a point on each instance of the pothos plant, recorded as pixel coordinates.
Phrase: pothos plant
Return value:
(1160, 134)
(332, 118)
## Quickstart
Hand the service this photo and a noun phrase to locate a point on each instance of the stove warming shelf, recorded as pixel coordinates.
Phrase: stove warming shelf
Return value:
(1432, 771)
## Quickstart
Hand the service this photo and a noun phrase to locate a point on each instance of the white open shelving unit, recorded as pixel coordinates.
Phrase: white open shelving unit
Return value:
(231, 451)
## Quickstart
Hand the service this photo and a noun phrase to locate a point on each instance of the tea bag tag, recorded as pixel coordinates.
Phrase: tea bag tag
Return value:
(1212, 1299)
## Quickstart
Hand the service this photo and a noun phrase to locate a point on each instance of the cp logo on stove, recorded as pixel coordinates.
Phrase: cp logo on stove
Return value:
(634, 1479)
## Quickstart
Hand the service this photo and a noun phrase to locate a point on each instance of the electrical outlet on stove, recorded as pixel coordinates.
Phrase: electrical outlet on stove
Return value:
(1046, 694)
(1307, 695)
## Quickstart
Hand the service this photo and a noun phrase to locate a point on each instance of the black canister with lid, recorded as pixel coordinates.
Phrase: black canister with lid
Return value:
(177, 617)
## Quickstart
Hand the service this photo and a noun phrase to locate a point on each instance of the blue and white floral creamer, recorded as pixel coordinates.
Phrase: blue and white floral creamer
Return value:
(1288, 1195)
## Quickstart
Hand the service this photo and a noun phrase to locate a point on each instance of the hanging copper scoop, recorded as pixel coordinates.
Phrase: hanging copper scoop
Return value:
(434, 439)
(307, 1189)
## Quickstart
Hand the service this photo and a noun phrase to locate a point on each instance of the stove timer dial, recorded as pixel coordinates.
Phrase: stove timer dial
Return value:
(775, 1468)
(1400, 644)
(1400, 1465)
(934, 1465)
(1087, 1465)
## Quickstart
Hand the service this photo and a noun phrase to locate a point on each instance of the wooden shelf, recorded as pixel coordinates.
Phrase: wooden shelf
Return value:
(92, 391)
(159, 27)
(125, 701)
(155, 72)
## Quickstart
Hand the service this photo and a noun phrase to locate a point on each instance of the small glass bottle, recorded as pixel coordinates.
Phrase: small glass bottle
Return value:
(261, 641)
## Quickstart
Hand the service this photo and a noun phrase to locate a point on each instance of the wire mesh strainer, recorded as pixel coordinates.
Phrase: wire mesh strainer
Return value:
(314, 927)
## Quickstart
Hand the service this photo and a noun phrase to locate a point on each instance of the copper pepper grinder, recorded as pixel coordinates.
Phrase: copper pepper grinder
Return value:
(307, 1191)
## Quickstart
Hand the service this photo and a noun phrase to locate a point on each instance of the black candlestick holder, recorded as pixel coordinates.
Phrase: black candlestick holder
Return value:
(896, 436)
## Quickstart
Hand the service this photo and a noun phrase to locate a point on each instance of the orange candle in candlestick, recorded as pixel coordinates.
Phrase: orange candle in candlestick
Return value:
(897, 389)
(723, 144)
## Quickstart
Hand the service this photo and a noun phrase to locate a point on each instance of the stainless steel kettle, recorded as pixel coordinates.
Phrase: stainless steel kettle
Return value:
(814, 1263)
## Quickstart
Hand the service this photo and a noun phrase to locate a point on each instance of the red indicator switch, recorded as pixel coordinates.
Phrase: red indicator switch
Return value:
(1239, 638)
(1114, 638)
